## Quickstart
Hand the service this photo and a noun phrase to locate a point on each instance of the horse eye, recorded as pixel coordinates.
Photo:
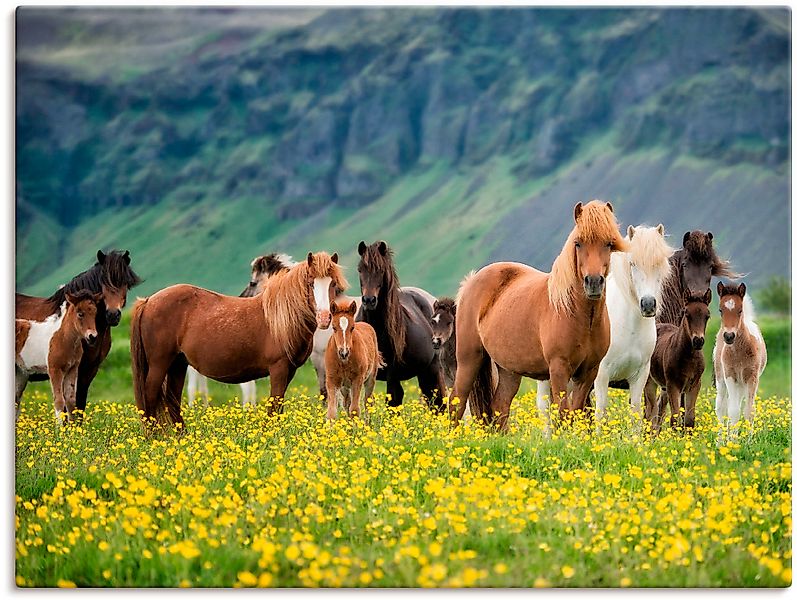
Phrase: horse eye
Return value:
(609, 245)
(79, 314)
(578, 244)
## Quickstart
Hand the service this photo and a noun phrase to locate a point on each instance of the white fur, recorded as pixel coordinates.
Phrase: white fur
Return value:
(344, 325)
(730, 304)
(198, 385)
(321, 293)
(37, 347)
(436, 318)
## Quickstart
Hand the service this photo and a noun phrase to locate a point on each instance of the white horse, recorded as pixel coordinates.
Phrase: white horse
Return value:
(633, 295)
(740, 356)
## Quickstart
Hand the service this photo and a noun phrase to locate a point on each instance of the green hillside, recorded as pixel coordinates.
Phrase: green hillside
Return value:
(198, 138)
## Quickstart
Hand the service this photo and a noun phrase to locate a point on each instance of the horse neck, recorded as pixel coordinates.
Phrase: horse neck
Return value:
(388, 320)
(68, 334)
(281, 312)
(589, 311)
(683, 338)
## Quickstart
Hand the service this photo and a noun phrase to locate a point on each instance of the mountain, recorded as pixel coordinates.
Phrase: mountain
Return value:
(198, 138)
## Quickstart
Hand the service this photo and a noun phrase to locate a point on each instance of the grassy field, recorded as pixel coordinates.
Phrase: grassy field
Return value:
(243, 499)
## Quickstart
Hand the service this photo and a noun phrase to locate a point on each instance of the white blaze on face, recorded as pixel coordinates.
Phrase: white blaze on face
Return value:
(344, 325)
(321, 296)
(730, 304)
(436, 318)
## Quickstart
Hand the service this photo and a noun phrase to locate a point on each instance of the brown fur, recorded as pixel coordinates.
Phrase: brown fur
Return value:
(444, 333)
(347, 376)
(542, 326)
(230, 339)
(677, 365)
(374, 260)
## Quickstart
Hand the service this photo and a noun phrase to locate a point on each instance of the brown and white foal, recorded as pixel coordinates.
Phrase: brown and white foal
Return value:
(677, 365)
(740, 356)
(54, 347)
(352, 359)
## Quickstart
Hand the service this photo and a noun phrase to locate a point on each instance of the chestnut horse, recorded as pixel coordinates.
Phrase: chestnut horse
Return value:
(228, 338)
(352, 360)
(111, 276)
(400, 317)
(740, 356)
(677, 365)
(534, 324)
(55, 347)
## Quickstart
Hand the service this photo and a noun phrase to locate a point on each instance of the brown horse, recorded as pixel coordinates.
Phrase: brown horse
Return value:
(444, 336)
(55, 347)
(677, 365)
(111, 276)
(229, 338)
(541, 325)
(352, 359)
(740, 356)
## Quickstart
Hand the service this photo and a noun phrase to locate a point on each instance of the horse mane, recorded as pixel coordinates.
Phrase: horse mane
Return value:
(462, 285)
(114, 272)
(699, 246)
(596, 223)
(286, 303)
(373, 260)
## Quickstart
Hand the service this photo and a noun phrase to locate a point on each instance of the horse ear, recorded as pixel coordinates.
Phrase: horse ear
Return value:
(309, 259)
(334, 308)
(334, 258)
(720, 289)
(100, 256)
(742, 290)
(686, 237)
(126, 256)
(577, 212)
(630, 232)
(610, 207)
(361, 248)
(660, 229)
(710, 236)
(352, 307)
(382, 248)
(707, 297)
(435, 306)
(71, 299)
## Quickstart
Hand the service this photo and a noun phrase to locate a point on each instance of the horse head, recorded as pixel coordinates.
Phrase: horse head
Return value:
(342, 327)
(442, 321)
(648, 264)
(376, 271)
(83, 307)
(594, 238)
(731, 299)
(695, 316)
(116, 279)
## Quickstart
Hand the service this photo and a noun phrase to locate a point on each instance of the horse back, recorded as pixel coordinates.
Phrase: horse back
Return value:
(33, 308)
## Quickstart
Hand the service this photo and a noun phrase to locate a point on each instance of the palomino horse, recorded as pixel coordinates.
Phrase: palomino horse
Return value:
(352, 360)
(401, 320)
(55, 347)
(540, 325)
(230, 339)
(444, 336)
(677, 364)
(740, 356)
(633, 292)
(112, 277)
(263, 267)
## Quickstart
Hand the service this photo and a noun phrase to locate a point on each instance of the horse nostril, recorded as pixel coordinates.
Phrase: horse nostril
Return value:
(729, 337)
(698, 342)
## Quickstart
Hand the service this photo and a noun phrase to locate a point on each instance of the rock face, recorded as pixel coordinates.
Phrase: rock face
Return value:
(335, 110)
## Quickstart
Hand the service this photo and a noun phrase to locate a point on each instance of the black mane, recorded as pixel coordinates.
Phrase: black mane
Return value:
(114, 272)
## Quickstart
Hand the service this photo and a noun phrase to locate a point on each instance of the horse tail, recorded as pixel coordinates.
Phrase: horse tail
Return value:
(482, 393)
(138, 357)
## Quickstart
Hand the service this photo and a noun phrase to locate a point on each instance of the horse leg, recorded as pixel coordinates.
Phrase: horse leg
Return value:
(690, 401)
(749, 407)
(21, 382)
(721, 407)
(508, 384)
(433, 386)
(354, 397)
(544, 405)
(70, 389)
(152, 402)
(175, 379)
(249, 393)
(601, 387)
(88, 369)
(192, 375)
(469, 363)
(559, 372)
(57, 384)
(321, 373)
(332, 397)
(652, 412)
(395, 391)
(281, 374)
(674, 395)
(736, 393)
(636, 387)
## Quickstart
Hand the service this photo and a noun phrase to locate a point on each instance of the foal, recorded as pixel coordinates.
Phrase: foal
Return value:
(677, 364)
(740, 356)
(351, 359)
(444, 336)
(55, 347)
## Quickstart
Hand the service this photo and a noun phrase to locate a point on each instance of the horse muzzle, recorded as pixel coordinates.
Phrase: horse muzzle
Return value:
(648, 306)
(697, 342)
(436, 343)
(343, 354)
(91, 338)
(369, 302)
(113, 317)
(729, 337)
(594, 286)
(323, 318)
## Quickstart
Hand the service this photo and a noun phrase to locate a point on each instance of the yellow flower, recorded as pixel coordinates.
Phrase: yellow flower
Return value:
(541, 582)
(625, 582)
(430, 523)
(568, 571)
(292, 552)
(501, 568)
(246, 578)
(65, 583)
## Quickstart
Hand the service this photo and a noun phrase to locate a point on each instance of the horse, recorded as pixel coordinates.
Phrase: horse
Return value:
(740, 356)
(110, 276)
(633, 294)
(444, 336)
(677, 365)
(401, 320)
(352, 360)
(230, 339)
(540, 325)
(262, 267)
(55, 347)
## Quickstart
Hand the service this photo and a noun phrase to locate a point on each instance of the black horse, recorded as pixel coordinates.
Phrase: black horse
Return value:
(401, 321)
(112, 276)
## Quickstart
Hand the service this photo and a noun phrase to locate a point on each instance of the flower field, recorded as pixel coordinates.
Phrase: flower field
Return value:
(243, 500)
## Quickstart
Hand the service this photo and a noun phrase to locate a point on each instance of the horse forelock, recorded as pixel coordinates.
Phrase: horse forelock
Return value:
(116, 271)
(650, 251)
(324, 266)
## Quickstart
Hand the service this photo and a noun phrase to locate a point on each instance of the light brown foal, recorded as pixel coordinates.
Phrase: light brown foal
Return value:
(352, 359)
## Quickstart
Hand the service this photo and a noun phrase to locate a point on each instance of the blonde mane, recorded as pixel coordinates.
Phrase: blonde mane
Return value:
(596, 223)
(287, 300)
(462, 285)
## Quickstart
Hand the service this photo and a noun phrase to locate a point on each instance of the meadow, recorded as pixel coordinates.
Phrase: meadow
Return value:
(241, 499)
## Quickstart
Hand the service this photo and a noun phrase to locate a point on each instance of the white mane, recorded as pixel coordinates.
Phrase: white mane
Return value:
(749, 316)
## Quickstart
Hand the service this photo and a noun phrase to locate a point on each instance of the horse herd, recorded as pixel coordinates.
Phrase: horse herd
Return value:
(614, 311)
